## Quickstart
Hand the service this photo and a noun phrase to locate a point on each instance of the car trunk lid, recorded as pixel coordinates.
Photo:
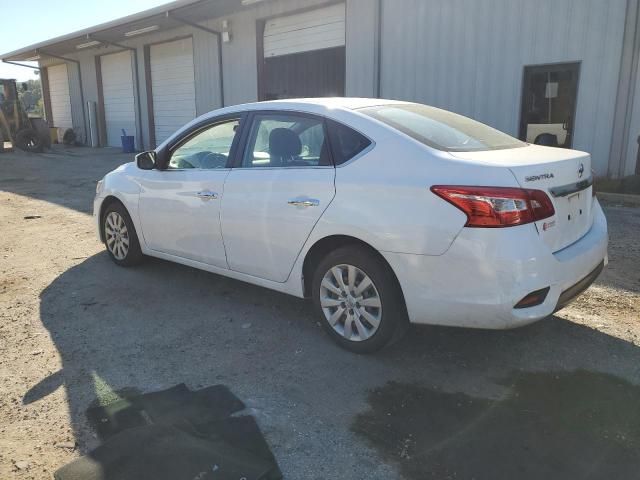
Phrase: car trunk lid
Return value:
(565, 175)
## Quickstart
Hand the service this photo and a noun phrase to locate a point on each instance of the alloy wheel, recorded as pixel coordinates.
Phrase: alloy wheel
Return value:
(117, 235)
(350, 302)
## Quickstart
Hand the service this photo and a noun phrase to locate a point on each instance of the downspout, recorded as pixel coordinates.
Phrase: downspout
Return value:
(135, 66)
(378, 52)
(84, 116)
(218, 35)
(627, 80)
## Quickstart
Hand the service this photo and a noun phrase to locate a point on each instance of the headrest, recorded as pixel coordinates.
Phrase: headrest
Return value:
(284, 143)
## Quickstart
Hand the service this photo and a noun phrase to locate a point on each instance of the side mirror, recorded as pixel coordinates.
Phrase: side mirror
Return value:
(146, 160)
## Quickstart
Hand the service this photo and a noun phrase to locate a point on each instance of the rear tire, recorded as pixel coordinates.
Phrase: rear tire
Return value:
(29, 140)
(358, 299)
(120, 238)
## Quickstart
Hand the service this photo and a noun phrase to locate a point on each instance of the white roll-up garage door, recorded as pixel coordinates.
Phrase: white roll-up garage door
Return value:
(119, 100)
(59, 96)
(305, 32)
(173, 86)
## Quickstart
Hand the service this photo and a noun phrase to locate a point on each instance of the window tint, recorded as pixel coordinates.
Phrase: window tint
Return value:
(441, 129)
(207, 149)
(345, 142)
(285, 140)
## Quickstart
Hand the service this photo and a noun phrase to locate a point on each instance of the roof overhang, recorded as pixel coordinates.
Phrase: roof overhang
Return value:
(158, 19)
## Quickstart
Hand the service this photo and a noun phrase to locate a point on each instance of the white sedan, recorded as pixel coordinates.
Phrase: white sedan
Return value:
(384, 213)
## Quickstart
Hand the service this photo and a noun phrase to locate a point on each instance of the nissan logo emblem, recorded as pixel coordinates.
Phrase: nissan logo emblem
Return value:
(581, 170)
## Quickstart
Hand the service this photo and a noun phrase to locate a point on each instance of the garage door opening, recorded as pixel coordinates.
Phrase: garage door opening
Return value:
(304, 55)
(59, 96)
(172, 86)
(116, 71)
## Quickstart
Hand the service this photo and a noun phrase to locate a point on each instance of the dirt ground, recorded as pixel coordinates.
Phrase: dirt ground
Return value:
(552, 400)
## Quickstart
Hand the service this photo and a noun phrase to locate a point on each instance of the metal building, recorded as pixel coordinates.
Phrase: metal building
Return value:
(568, 68)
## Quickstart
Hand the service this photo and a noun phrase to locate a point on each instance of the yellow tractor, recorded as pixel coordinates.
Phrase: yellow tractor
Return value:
(28, 134)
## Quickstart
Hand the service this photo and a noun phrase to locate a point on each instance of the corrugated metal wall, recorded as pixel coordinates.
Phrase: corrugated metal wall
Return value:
(207, 78)
(240, 55)
(463, 55)
(468, 56)
(362, 48)
(205, 53)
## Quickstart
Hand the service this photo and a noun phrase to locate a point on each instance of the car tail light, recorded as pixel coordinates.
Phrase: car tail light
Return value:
(495, 207)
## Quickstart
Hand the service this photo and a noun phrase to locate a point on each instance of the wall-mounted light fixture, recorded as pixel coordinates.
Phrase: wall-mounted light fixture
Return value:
(92, 43)
(140, 31)
(226, 31)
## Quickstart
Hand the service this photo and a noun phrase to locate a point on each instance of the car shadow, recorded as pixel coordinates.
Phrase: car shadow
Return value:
(161, 324)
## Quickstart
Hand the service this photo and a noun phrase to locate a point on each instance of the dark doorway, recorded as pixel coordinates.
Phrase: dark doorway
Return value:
(549, 96)
(319, 73)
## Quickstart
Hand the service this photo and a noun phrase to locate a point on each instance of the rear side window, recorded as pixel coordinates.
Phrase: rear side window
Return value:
(441, 129)
(346, 143)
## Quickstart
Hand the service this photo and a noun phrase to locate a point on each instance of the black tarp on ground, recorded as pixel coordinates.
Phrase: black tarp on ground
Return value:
(173, 435)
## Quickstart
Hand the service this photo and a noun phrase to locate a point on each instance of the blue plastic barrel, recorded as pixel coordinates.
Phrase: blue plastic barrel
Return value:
(128, 142)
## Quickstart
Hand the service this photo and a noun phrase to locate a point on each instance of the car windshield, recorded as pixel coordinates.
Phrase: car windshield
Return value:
(441, 129)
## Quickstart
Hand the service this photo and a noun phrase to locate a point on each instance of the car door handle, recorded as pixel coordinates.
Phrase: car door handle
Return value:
(207, 195)
(306, 202)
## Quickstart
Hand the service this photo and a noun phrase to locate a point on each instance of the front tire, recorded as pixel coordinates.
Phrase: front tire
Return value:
(358, 299)
(120, 236)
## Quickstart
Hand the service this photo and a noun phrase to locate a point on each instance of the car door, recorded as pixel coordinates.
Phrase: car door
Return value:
(281, 184)
(179, 206)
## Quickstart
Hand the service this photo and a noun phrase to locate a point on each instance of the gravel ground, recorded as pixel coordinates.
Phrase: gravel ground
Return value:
(75, 328)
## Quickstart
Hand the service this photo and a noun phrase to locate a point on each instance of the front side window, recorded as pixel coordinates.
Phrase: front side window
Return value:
(441, 129)
(285, 141)
(208, 149)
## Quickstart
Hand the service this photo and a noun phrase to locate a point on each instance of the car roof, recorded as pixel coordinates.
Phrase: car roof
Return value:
(311, 105)
(349, 103)
(331, 107)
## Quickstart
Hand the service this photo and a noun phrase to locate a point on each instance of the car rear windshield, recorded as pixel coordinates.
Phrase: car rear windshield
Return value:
(441, 129)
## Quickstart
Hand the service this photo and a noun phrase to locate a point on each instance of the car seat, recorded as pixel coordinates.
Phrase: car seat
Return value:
(284, 147)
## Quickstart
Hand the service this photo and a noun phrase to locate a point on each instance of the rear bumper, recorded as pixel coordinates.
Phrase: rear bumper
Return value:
(570, 294)
(486, 272)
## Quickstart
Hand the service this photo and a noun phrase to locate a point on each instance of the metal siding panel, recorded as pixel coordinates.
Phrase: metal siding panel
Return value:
(610, 57)
(468, 56)
(634, 132)
(361, 36)
(119, 100)
(207, 76)
(240, 62)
